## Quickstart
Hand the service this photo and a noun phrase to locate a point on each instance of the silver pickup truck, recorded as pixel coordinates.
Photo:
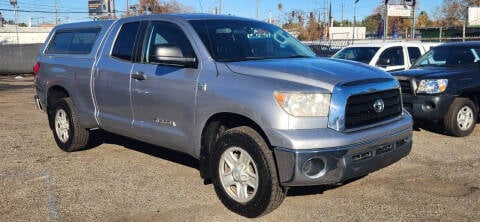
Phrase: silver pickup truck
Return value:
(258, 110)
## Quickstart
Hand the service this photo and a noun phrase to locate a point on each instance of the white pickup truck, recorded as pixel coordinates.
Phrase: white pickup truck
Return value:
(390, 56)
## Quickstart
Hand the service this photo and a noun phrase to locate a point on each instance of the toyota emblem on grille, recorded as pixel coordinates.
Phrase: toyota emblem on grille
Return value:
(378, 105)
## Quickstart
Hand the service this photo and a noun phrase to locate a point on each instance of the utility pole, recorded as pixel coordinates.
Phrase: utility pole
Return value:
(342, 8)
(56, 13)
(127, 13)
(354, 18)
(15, 9)
(385, 21)
(256, 15)
(413, 14)
(114, 11)
(220, 7)
(324, 12)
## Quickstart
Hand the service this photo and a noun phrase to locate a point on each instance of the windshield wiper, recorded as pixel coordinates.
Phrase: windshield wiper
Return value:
(242, 59)
(254, 58)
(296, 56)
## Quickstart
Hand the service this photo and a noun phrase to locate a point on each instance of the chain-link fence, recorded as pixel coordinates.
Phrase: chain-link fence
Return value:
(326, 48)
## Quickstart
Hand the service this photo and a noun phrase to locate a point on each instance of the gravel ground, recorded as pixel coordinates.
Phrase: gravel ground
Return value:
(126, 180)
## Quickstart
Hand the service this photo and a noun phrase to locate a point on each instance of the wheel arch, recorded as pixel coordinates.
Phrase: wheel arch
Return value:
(474, 96)
(54, 94)
(214, 126)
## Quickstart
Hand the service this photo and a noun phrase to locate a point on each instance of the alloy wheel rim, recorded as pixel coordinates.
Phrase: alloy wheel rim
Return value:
(238, 174)
(62, 125)
(465, 118)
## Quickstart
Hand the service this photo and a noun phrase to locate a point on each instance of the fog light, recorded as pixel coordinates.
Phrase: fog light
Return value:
(428, 107)
(314, 167)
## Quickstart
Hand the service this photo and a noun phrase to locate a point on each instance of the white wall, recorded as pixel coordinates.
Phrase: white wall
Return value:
(474, 16)
(347, 32)
(26, 35)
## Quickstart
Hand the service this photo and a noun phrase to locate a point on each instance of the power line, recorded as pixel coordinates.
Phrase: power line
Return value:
(43, 11)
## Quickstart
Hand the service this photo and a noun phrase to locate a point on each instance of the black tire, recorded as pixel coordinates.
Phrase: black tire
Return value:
(451, 120)
(73, 138)
(269, 193)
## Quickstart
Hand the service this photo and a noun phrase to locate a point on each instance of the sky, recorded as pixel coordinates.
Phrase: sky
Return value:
(243, 8)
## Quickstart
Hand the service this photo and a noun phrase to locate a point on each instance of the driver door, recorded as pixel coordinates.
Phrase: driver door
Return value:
(163, 95)
(392, 59)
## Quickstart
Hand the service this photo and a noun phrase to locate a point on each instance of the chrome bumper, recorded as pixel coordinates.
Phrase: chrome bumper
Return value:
(303, 167)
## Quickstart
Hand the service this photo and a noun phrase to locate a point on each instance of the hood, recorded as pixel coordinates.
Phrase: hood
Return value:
(431, 72)
(320, 72)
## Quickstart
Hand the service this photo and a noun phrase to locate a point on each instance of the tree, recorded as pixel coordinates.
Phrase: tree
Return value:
(294, 21)
(161, 8)
(312, 31)
(454, 12)
(423, 20)
(303, 30)
(372, 21)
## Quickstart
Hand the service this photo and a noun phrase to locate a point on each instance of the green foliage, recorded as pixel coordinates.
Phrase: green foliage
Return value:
(371, 22)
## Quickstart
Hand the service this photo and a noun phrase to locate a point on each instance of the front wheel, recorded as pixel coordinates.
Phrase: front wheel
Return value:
(461, 118)
(68, 133)
(244, 173)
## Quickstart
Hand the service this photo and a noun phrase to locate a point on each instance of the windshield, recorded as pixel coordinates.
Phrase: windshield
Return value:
(449, 56)
(359, 54)
(235, 40)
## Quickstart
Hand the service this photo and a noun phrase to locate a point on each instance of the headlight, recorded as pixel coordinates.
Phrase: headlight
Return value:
(304, 103)
(432, 86)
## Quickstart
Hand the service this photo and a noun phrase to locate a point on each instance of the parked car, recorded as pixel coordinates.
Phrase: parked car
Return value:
(258, 109)
(390, 56)
(444, 86)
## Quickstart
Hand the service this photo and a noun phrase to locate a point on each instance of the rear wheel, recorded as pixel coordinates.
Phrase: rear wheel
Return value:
(244, 173)
(461, 118)
(68, 133)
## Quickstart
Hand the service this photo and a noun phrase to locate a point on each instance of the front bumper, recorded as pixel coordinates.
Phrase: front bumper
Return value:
(427, 107)
(303, 167)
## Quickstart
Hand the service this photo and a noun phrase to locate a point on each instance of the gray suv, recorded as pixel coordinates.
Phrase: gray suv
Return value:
(252, 103)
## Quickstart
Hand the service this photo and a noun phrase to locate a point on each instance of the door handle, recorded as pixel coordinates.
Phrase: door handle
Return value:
(138, 75)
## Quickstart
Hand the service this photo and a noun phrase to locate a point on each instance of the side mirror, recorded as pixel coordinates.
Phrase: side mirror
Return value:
(383, 62)
(172, 55)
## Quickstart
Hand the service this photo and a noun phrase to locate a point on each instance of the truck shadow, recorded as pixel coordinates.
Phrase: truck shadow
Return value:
(434, 127)
(431, 126)
(5, 87)
(319, 189)
(103, 137)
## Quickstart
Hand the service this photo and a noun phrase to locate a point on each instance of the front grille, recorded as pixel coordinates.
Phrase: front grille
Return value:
(360, 110)
(406, 86)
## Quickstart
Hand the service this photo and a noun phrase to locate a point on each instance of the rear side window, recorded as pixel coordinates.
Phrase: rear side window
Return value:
(124, 44)
(78, 41)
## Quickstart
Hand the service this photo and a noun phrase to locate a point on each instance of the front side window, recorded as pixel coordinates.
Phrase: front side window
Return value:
(166, 36)
(78, 41)
(392, 57)
(414, 53)
(234, 40)
(124, 44)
